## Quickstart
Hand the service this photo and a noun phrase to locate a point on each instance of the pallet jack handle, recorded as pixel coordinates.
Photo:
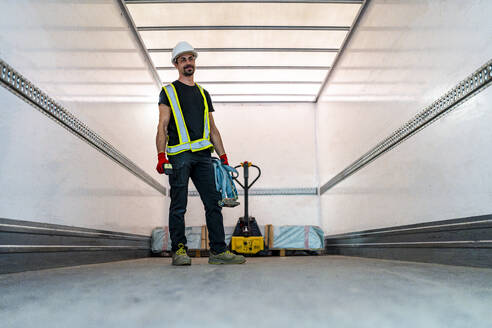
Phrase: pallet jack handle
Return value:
(246, 165)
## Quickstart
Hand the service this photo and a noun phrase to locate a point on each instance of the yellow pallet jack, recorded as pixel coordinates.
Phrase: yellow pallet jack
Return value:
(247, 238)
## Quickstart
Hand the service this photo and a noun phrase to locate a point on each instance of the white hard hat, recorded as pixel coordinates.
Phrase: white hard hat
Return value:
(182, 48)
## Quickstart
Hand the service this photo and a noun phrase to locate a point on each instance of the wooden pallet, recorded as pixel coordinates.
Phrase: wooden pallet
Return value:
(290, 251)
(204, 247)
(198, 253)
(269, 241)
(268, 236)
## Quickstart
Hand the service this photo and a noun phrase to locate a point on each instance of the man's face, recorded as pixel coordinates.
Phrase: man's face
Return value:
(186, 64)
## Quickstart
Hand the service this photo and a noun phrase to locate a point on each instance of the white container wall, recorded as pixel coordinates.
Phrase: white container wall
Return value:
(442, 172)
(49, 175)
(280, 139)
(77, 51)
(277, 137)
(395, 65)
(129, 127)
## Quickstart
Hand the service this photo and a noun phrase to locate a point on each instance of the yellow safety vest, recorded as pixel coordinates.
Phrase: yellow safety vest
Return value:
(184, 138)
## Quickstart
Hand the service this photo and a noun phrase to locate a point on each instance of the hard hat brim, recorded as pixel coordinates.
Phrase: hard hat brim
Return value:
(182, 53)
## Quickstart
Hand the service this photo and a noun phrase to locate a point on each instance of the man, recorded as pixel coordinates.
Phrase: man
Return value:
(187, 133)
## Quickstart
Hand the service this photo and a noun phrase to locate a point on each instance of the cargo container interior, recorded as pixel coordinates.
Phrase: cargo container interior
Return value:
(369, 119)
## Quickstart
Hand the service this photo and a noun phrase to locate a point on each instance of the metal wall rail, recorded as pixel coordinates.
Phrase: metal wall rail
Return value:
(24, 89)
(273, 192)
(464, 90)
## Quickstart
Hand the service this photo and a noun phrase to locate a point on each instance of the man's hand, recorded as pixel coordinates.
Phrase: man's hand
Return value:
(161, 161)
(223, 159)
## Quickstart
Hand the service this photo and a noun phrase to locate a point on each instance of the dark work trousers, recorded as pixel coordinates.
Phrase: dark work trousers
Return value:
(197, 166)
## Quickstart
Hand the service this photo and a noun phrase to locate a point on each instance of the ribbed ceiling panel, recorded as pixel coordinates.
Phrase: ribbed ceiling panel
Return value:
(287, 47)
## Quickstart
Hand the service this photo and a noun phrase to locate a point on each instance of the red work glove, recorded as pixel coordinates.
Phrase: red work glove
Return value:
(162, 160)
(223, 159)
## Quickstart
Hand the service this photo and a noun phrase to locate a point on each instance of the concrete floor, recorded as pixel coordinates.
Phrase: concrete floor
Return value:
(323, 291)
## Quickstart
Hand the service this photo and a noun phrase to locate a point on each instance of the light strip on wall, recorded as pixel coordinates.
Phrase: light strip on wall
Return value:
(169, 68)
(250, 50)
(24, 89)
(470, 86)
(236, 27)
(242, 1)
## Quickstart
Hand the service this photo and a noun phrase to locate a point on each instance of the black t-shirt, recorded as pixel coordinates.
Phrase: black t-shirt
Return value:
(191, 101)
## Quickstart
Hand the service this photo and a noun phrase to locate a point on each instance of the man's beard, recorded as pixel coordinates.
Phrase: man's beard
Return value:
(186, 72)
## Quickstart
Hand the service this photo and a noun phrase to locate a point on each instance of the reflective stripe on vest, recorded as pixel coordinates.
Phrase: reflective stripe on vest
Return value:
(184, 137)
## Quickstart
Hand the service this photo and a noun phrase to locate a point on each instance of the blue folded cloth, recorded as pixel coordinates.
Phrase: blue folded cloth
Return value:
(224, 183)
